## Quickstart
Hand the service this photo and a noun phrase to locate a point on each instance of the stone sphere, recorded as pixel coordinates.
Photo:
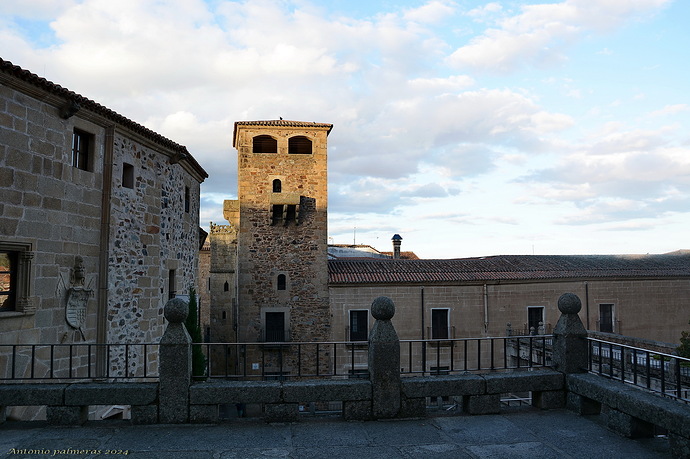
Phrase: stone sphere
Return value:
(176, 311)
(383, 308)
(569, 303)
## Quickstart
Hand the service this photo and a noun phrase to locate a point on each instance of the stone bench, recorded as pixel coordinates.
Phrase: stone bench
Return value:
(629, 410)
(482, 393)
(67, 404)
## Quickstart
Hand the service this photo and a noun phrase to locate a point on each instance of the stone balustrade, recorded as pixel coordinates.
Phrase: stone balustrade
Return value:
(176, 399)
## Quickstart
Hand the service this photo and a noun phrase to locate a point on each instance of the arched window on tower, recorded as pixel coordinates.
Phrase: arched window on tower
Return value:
(281, 282)
(264, 144)
(299, 145)
(226, 286)
(277, 186)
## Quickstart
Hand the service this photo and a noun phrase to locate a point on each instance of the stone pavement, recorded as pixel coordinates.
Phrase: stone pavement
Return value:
(527, 433)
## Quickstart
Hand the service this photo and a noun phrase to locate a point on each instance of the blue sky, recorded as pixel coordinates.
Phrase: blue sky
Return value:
(469, 128)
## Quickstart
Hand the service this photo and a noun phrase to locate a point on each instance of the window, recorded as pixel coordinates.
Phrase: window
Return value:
(281, 282)
(171, 284)
(535, 318)
(264, 144)
(439, 323)
(226, 286)
(8, 280)
(274, 330)
(127, 175)
(15, 277)
(277, 186)
(186, 199)
(359, 325)
(81, 150)
(299, 145)
(606, 318)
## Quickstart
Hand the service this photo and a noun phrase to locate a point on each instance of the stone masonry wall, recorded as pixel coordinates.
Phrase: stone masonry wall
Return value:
(52, 206)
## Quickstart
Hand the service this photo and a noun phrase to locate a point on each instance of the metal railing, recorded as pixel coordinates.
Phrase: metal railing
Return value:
(70, 362)
(666, 374)
(285, 360)
(439, 357)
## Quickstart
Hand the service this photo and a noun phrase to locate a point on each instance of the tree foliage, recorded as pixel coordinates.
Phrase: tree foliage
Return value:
(192, 325)
(684, 349)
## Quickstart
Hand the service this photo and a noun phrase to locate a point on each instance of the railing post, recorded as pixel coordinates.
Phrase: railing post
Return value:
(570, 337)
(384, 361)
(175, 365)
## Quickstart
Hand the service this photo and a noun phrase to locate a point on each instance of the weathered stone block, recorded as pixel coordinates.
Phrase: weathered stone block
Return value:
(281, 412)
(582, 405)
(680, 445)
(627, 425)
(413, 408)
(549, 399)
(67, 415)
(208, 393)
(524, 381)
(468, 384)
(357, 411)
(203, 414)
(312, 391)
(144, 414)
(482, 404)
(111, 394)
(32, 394)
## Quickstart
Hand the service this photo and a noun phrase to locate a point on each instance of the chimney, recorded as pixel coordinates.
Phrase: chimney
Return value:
(396, 246)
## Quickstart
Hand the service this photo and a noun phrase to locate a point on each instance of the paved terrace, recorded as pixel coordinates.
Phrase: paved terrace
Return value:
(518, 433)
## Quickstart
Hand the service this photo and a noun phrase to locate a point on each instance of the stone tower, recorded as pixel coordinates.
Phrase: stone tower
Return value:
(281, 216)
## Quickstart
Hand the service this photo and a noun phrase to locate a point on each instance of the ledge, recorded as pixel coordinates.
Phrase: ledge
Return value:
(32, 394)
(111, 394)
(637, 402)
(222, 392)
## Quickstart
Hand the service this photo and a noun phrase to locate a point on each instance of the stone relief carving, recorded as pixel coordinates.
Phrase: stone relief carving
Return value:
(77, 296)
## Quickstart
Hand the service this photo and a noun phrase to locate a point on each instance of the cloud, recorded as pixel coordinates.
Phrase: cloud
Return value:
(540, 34)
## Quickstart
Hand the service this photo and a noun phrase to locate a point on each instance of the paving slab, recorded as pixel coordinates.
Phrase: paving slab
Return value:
(527, 433)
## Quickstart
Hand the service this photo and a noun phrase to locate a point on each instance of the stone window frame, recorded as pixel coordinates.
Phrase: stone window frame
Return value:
(543, 318)
(350, 328)
(23, 301)
(434, 333)
(612, 316)
(82, 151)
(286, 321)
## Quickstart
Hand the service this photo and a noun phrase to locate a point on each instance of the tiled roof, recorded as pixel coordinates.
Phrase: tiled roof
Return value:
(41, 83)
(404, 255)
(508, 268)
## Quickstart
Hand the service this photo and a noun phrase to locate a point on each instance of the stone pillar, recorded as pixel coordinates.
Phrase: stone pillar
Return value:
(384, 361)
(175, 365)
(570, 337)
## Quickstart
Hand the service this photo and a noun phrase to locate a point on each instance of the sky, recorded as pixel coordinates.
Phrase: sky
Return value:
(469, 128)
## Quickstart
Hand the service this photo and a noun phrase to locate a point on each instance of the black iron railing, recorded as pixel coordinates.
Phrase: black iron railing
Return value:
(447, 356)
(58, 362)
(656, 371)
(285, 360)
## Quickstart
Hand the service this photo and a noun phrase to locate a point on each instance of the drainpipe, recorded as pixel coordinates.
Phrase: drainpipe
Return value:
(486, 309)
(102, 314)
(422, 311)
(587, 303)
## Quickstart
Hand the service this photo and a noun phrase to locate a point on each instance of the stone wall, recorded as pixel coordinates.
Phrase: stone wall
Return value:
(645, 308)
(123, 219)
(52, 207)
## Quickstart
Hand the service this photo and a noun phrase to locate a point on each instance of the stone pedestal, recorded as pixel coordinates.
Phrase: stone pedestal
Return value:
(175, 365)
(570, 337)
(384, 361)
(67, 415)
(482, 404)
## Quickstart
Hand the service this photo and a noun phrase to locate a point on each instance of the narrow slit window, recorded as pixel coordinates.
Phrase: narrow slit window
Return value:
(127, 175)
(277, 186)
(281, 282)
